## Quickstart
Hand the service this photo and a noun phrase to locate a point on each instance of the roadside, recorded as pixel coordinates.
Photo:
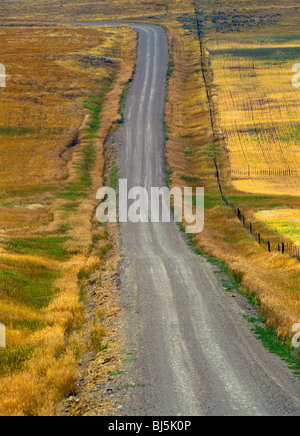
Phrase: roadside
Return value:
(103, 355)
(52, 148)
(190, 151)
(189, 346)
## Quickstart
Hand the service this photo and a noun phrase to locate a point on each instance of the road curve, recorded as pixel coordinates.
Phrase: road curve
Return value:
(192, 351)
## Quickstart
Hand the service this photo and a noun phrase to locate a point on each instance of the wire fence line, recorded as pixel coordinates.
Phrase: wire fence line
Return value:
(263, 173)
(283, 247)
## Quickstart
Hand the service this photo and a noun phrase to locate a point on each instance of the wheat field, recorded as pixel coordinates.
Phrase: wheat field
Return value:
(259, 111)
(286, 222)
(270, 277)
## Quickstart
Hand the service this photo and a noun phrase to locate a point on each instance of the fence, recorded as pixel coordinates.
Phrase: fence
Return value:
(282, 247)
(263, 173)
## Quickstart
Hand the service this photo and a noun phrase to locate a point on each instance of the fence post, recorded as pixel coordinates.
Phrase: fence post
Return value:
(290, 249)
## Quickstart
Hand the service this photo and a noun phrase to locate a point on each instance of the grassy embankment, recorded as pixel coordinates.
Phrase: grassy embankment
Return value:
(272, 280)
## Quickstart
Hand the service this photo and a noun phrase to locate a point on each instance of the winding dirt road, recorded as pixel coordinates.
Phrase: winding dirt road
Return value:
(190, 351)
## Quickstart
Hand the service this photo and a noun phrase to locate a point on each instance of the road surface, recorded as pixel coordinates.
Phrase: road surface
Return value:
(190, 351)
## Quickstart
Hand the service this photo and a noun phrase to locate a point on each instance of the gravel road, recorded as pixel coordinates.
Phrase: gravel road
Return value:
(190, 351)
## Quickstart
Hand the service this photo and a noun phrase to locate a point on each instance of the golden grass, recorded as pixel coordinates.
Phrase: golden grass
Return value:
(94, 10)
(273, 278)
(34, 210)
(259, 111)
(49, 181)
(157, 11)
(283, 221)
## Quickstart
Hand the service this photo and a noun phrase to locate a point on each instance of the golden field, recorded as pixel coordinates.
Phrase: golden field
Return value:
(272, 278)
(115, 10)
(160, 11)
(283, 221)
(49, 115)
(62, 97)
(259, 111)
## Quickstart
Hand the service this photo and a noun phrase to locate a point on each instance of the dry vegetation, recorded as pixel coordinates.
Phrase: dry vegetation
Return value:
(259, 111)
(273, 278)
(283, 221)
(47, 198)
(62, 97)
(46, 10)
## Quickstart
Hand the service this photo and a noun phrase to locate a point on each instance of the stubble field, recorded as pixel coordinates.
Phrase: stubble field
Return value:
(61, 99)
(259, 111)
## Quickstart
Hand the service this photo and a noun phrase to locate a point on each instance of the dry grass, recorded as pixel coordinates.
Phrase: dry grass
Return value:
(34, 206)
(155, 11)
(94, 10)
(283, 221)
(57, 109)
(259, 111)
(274, 278)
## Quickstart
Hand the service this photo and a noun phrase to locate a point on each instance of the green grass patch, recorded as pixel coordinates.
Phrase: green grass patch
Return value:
(64, 228)
(48, 247)
(190, 179)
(13, 360)
(84, 173)
(251, 319)
(253, 201)
(228, 285)
(30, 284)
(114, 177)
(16, 131)
(71, 195)
(130, 360)
(279, 346)
(94, 104)
(211, 201)
(32, 325)
(123, 102)
(275, 54)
